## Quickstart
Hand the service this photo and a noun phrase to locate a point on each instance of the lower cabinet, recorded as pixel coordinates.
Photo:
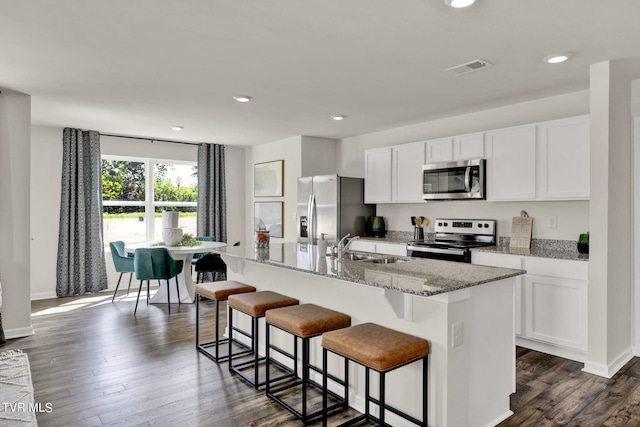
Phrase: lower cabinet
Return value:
(551, 303)
(397, 249)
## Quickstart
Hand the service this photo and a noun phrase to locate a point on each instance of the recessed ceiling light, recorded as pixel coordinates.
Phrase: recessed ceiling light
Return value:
(242, 98)
(459, 3)
(177, 127)
(338, 118)
(556, 58)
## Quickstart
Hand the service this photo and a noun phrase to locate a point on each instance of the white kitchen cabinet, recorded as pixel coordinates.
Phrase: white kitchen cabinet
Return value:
(563, 159)
(551, 304)
(505, 261)
(439, 150)
(396, 249)
(470, 146)
(406, 172)
(511, 163)
(462, 147)
(377, 175)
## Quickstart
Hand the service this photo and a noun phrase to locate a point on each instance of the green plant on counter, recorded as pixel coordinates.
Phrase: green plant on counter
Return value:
(584, 238)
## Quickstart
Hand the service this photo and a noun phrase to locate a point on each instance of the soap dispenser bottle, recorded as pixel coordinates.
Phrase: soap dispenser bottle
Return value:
(322, 246)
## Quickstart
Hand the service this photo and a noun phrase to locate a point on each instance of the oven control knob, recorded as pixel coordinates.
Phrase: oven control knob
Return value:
(446, 224)
(439, 224)
(479, 225)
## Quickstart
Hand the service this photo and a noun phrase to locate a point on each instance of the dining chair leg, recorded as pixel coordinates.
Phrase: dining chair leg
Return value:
(130, 277)
(117, 284)
(138, 299)
(168, 297)
(148, 281)
(178, 290)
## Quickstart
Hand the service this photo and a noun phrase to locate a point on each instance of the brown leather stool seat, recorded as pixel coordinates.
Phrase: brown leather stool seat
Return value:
(255, 305)
(304, 322)
(381, 349)
(217, 291)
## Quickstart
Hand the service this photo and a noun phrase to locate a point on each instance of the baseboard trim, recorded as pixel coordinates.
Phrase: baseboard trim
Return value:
(571, 354)
(609, 370)
(500, 419)
(19, 332)
(43, 295)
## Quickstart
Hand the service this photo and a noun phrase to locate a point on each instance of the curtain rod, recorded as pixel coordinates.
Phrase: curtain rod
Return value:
(151, 139)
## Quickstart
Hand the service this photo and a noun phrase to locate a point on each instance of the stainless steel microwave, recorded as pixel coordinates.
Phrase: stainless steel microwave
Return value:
(464, 179)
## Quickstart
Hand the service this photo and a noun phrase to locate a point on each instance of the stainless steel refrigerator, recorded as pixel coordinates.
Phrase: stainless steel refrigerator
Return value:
(333, 205)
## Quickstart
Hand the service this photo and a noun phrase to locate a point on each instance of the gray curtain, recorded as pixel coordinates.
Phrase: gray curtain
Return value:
(212, 197)
(81, 267)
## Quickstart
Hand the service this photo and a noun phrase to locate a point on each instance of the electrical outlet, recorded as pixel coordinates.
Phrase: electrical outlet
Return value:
(552, 221)
(456, 331)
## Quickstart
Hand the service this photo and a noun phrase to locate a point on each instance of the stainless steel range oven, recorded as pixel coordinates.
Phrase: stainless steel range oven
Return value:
(455, 238)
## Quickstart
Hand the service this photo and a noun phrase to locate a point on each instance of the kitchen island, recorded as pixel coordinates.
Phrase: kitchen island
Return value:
(465, 311)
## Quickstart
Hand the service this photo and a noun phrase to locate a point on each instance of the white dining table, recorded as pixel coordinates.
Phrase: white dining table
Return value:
(185, 280)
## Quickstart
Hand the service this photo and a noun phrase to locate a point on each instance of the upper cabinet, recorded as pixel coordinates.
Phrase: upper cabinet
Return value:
(377, 175)
(563, 159)
(541, 161)
(406, 172)
(394, 174)
(461, 147)
(511, 163)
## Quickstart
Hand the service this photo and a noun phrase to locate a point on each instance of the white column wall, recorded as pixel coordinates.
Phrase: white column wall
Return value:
(15, 233)
(609, 328)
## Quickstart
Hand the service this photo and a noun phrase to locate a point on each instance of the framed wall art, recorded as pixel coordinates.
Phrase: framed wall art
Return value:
(269, 215)
(268, 179)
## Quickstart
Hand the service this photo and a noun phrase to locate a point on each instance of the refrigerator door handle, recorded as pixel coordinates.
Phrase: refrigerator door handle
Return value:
(311, 208)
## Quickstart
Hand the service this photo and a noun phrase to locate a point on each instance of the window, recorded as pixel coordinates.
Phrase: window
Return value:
(132, 207)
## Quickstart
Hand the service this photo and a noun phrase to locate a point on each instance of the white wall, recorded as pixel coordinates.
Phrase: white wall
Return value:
(15, 208)
(46, 174)
(573, 217)
(288, 150)
(46, 177)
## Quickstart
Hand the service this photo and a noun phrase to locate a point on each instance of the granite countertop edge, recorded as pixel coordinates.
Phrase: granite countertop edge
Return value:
(416, 274)
(535, 252)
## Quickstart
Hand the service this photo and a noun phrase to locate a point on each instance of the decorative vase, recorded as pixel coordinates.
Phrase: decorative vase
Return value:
(172, 236)
(377, 226)
(170, 219)
(583, 248)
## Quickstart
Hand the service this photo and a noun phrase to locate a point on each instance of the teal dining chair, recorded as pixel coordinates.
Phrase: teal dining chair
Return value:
(122, 263)
(156, 263)
(199, 255)
(210, 263)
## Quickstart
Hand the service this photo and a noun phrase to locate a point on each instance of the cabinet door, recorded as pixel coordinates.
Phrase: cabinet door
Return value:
(505, 261)
(407, 172)
(563, 159)
(556, 311)
(377, 175)
(440, 150)
(468, 146)
(511, 163)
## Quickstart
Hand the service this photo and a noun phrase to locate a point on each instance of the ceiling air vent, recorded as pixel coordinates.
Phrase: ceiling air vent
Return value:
(469, 67)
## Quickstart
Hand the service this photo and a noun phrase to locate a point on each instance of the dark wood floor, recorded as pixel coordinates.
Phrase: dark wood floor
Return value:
(97, 364)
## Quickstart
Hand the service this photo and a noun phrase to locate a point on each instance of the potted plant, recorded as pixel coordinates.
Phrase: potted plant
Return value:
(583, 243)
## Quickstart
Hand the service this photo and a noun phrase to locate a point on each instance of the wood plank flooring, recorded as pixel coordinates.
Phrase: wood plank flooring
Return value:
(99, 365)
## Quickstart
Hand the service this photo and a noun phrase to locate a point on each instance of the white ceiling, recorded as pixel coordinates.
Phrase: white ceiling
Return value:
(137, 67)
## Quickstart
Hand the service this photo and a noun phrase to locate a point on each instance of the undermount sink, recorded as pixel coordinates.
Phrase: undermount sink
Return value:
(357, 257)
(384, 260)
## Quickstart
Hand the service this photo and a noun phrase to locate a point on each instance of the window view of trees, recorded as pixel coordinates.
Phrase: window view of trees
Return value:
(132, 207)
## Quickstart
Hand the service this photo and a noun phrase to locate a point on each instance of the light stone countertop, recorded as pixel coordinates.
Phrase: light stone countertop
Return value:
(536, 252)
(424, 277)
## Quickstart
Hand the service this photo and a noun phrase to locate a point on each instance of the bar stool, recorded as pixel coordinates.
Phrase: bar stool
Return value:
(217, 291)
(383, 350)
(304, 322)
(255, 305)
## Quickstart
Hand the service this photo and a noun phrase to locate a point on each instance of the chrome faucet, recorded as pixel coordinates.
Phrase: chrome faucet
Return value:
(339, 248)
